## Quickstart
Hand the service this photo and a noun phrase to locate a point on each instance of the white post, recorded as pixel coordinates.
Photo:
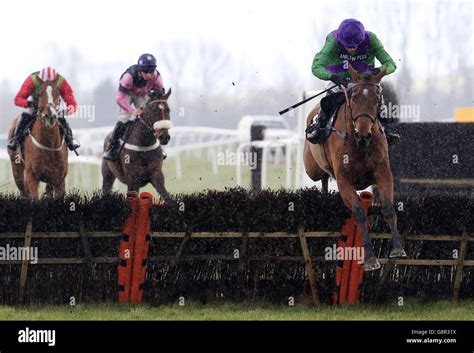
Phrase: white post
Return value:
(238, 175)
(264, 165)
(288, 148)
(299, 146)
(178, 165)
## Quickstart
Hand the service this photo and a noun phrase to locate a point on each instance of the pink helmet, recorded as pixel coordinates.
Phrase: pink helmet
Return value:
(48, 74)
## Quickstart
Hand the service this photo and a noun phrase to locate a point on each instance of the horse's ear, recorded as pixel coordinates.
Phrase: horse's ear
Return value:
(354, 74)
(40, 81)
(167, 94)
(379, 76)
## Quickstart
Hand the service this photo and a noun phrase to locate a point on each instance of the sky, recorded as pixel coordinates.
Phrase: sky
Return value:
(118, 31)
(112, 34)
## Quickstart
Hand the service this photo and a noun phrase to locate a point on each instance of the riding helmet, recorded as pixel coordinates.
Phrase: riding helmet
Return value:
(47, 74)
(350, 33)
(146, 60)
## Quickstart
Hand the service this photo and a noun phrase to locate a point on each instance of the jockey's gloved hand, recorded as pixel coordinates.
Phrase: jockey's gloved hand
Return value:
(70, 109)
(376, 71)
(338, 80)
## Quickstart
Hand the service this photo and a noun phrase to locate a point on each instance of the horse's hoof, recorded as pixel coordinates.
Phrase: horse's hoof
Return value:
(371, 264)
(398, 253)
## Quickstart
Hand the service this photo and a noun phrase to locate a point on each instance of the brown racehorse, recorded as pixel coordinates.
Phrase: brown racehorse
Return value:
(358, 153)
(44, 155)
(141, 159)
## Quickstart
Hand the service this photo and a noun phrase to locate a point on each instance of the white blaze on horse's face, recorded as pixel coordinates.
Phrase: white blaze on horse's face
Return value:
(51, 103)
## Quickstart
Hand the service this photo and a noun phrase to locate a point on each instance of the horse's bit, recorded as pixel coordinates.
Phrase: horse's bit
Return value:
(162, 109)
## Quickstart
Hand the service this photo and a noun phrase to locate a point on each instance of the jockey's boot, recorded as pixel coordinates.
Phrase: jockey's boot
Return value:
(113, 149)
(392, 134)
(19, 135)
(72, 144)
(316, 131)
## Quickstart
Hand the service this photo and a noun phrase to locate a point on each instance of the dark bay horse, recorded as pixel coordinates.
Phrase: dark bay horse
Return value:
(44, 155)
(356, 153)
(141, 159)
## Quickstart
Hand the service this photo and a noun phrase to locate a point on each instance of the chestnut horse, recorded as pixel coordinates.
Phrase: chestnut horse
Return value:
(357, 154)
(141, 159)
(44, 155)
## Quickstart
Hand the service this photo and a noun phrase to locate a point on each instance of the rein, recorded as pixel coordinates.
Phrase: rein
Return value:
(347, 92)
(162, 110)
(57, 113)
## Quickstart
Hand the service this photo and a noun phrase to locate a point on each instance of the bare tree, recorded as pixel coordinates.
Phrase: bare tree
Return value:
(104, 102)
(7, 108)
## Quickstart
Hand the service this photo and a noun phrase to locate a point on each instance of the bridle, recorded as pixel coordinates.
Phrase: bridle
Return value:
(56, 113)
(54, 109)
(162, 110)
(348, 93)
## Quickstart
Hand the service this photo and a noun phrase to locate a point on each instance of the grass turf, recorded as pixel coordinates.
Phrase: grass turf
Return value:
(197, 176)
(411, 310)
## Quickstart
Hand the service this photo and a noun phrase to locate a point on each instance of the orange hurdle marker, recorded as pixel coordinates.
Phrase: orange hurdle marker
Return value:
(140, 253)
(350, 274)
(127, 245)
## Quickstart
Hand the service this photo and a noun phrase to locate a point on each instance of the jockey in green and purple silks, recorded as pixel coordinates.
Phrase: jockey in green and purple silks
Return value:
(349, 44)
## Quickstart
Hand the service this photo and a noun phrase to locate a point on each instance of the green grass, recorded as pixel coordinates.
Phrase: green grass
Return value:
(197, 176)
(412, 310)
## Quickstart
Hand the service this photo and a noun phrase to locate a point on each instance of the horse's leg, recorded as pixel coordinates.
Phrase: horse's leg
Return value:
(108, 178)
(133, 187)
(351, 200)
(384, 179)
(49, 190)
(18, 170)
(60, 189)
(325, 183)
(31, 184)
(158, 181)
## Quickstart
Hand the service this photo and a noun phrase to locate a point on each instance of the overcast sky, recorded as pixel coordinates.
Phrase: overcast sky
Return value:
(111, 34)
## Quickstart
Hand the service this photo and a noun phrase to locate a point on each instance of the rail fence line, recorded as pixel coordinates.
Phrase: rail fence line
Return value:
(243, 259)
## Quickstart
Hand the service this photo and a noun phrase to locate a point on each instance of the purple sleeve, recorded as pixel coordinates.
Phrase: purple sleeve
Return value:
(121, 97)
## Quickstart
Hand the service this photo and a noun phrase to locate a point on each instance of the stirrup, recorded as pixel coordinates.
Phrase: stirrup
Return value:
(112, 153)
(74, 143)
(316, 136)
(12, 144)
(110, 156)
(392, 137)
